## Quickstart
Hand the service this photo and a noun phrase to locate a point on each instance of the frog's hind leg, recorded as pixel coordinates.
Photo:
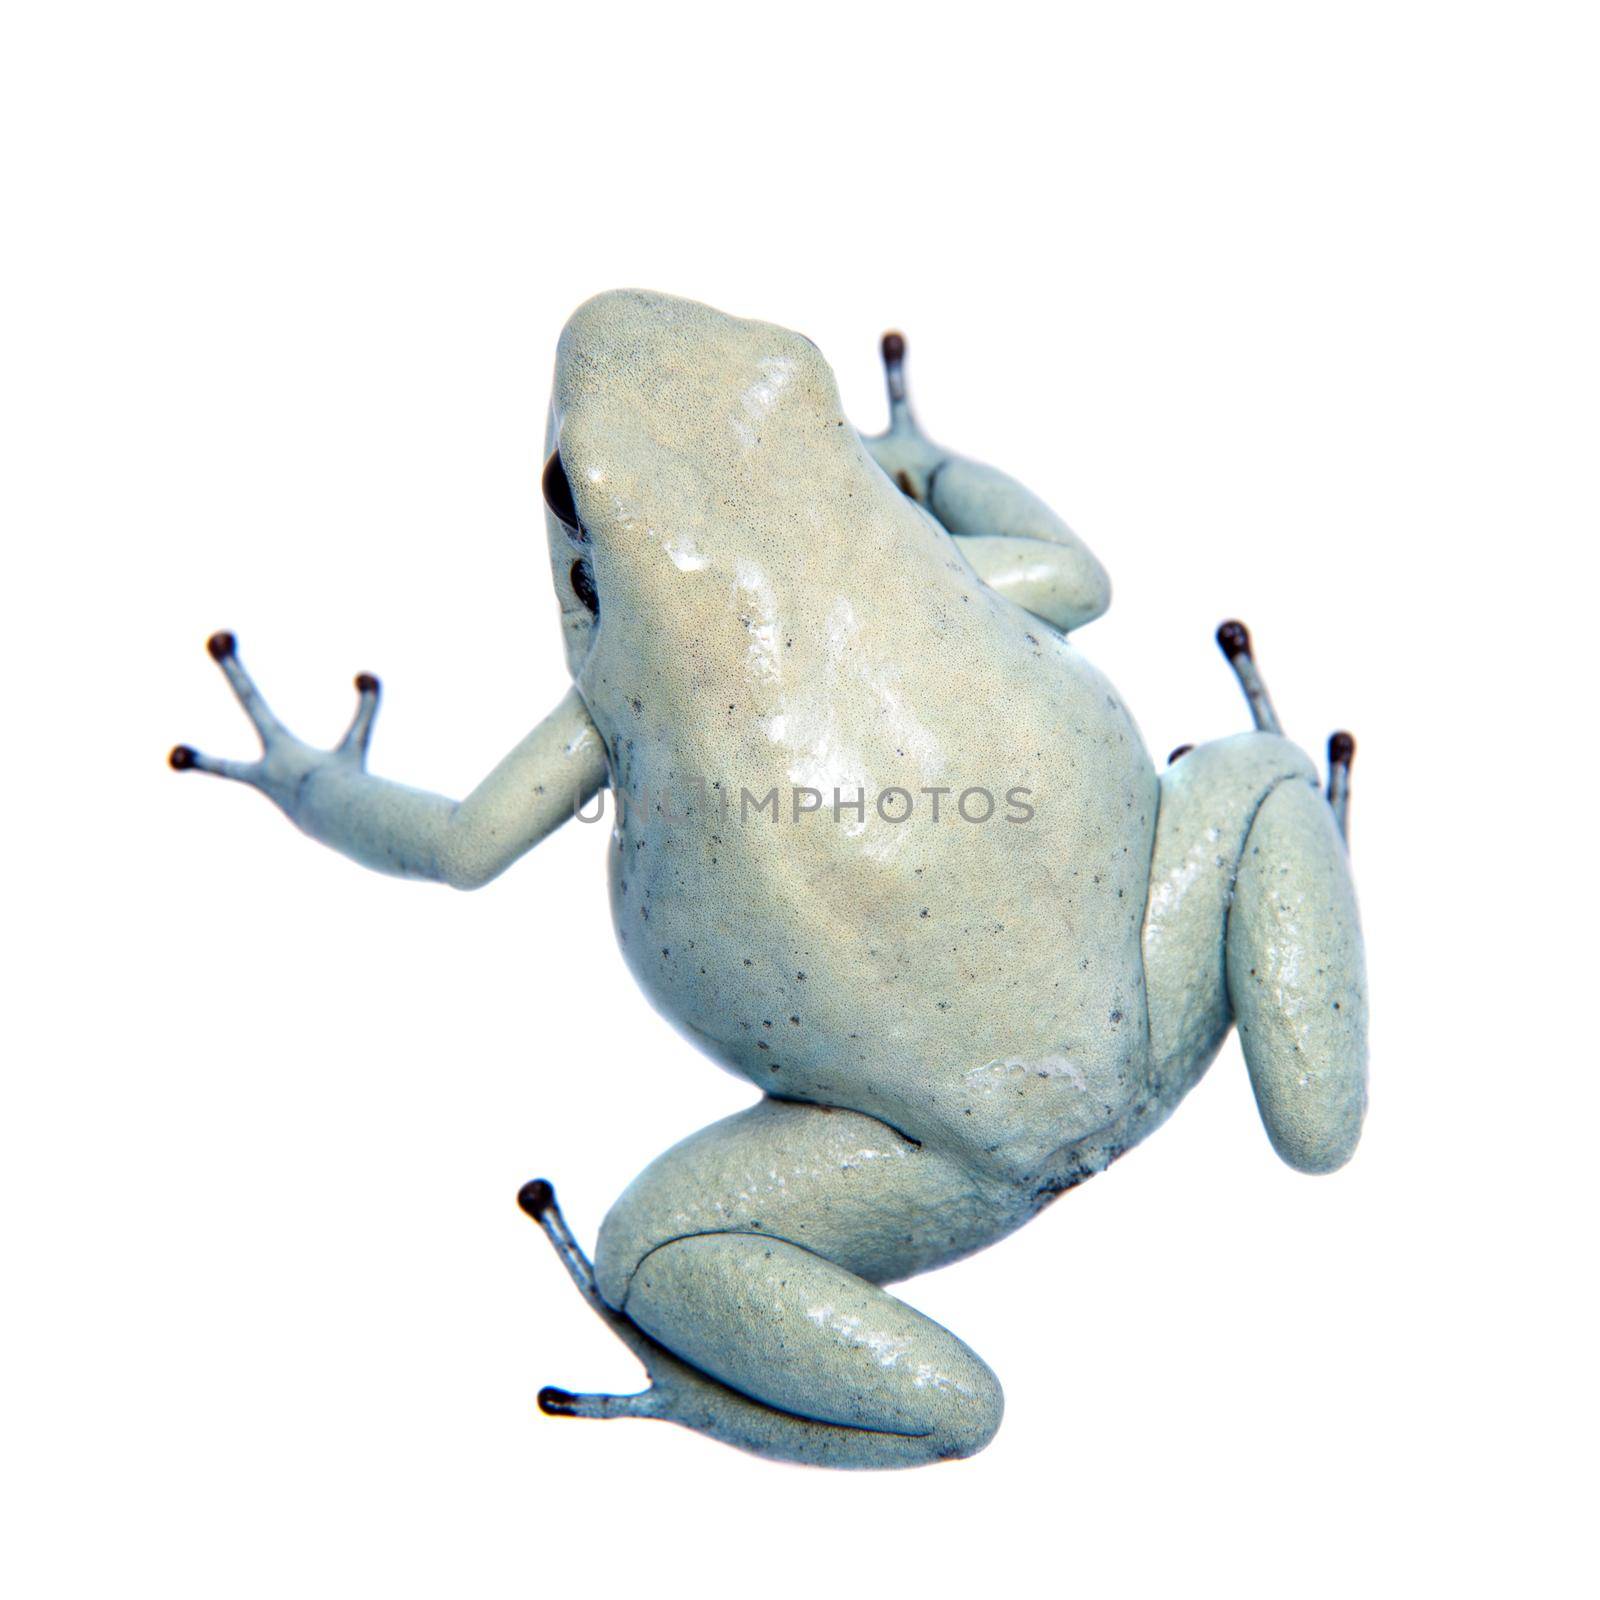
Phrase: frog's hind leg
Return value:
(787, 1346)
(1297, 979)
(1252, 920)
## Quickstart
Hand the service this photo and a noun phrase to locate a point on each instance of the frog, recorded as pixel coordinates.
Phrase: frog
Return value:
(885, 845)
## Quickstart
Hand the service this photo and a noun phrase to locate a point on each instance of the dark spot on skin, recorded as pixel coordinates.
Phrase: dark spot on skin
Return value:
(221, 646)
(583, 586)
(536, 1197)
(180, 758)
(907, 487)
(1116, 1016)
(1233, 638)
(795, 1021)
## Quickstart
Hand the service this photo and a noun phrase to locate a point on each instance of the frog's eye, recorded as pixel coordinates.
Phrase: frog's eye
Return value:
(558, 496)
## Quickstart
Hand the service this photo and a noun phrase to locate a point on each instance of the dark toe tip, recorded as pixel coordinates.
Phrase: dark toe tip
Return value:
(366, 683)
(180, 758)
(221, 645)
(536, 1197)
(1179, 753)
(1342, 749)
(556, 1402)
(1234, 639)
(894, 348)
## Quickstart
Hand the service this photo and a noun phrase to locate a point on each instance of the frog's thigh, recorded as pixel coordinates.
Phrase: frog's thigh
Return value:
(753, 1251)
(839, 1184)
(1297, 980)
(1209, 801)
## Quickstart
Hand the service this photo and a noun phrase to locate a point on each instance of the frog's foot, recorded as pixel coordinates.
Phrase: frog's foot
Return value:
(538, 1199)
(1234, 640)
(285, 760)
(684, 1269)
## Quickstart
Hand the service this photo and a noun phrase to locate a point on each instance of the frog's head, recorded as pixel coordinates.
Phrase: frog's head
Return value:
(683, 443)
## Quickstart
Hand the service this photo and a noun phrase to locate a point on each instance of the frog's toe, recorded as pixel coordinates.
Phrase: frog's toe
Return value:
(223, 648)
(1233, 639)
(185, 758)
(353, 747)
(563, 1403)
(538, 1200)
(1341, 757)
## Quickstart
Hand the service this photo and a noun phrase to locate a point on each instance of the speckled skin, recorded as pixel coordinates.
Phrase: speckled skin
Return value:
(953, 1017)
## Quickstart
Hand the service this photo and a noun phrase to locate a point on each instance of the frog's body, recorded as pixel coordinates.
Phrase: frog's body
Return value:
(806, 645)
(886, 845)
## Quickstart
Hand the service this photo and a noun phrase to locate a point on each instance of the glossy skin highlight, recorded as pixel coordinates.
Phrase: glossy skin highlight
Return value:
(954, 1013)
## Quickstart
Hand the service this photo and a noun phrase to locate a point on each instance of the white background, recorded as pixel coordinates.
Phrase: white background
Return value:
(1290, 310)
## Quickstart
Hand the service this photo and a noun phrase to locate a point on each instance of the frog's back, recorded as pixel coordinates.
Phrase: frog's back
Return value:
(895, 859)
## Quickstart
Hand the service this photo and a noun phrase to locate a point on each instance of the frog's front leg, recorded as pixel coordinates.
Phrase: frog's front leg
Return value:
(329, 794)
(1252, 920)
(1011, 538)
